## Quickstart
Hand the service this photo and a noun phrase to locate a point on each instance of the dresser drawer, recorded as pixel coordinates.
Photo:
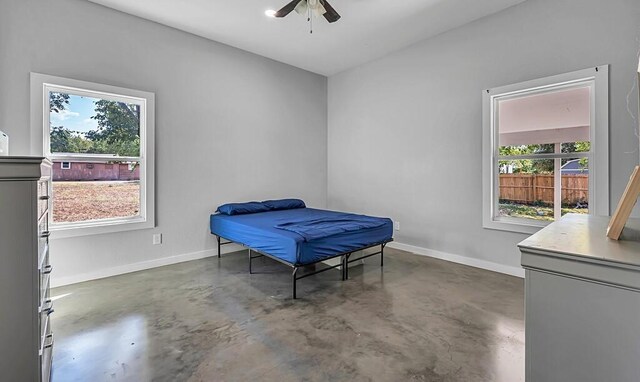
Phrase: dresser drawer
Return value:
(45, 322)
(43, 257)
(43, 224)
(45, 358)
(43, 188)
(43, 197)
(43, 235)
(45, 283)
(45, 306)
(43, 205)
(46, 363)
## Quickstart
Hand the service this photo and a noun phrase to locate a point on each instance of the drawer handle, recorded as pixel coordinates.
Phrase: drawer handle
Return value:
(48, 341)
(47, 270)
(48, 307)
(45, 234)
(45, 197)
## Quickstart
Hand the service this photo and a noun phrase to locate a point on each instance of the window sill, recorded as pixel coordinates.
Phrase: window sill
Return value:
(515, 225)
(99, 227)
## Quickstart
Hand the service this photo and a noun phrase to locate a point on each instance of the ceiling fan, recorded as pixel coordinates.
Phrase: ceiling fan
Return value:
(309, 7)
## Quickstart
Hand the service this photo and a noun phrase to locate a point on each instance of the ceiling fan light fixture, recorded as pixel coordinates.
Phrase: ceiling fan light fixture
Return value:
(314, 6)
(310, 8)
(302, 8)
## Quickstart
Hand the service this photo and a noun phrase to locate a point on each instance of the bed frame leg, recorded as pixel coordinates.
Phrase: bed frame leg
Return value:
(250, 258)
(343, 259)
(294, 279)
(346, 266)
(382, 255)
(218, 238)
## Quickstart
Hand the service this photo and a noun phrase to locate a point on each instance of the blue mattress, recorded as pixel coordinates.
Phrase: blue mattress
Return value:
(258, 231)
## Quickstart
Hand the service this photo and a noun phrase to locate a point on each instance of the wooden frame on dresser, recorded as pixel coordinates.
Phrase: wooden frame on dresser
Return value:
(26, 340)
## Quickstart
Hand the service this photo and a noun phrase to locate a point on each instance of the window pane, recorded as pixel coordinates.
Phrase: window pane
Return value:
(575, 186)
(527, 149)
(95, 190)
(526, 189)
(534, 123)
(576, 147)
(86, 125)
(526, 166)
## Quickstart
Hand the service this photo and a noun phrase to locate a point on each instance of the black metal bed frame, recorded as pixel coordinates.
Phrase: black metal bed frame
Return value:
(344, 261)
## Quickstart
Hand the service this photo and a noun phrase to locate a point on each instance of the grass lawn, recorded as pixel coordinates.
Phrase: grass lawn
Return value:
(535, 212)
(80, 201)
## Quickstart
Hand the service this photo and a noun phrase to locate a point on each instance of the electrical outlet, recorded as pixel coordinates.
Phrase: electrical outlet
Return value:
(397, 224)
(157, 238)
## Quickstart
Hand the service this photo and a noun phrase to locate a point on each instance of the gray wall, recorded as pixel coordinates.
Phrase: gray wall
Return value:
(405, 131)
(230, 125)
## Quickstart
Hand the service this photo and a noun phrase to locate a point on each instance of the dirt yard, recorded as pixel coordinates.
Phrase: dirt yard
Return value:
(80, 201)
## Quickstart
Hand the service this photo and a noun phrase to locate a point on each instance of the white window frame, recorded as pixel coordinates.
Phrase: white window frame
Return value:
(597, 78)
(41, 85)
(67, 167)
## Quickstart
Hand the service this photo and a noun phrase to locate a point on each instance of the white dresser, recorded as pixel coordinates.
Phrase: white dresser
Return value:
(582, 297)
(26, 341)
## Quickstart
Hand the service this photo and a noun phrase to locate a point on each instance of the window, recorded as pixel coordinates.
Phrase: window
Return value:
(545, 150)
(96, 127)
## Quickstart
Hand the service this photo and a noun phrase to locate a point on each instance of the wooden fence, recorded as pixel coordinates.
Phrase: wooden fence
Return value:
(530, 188)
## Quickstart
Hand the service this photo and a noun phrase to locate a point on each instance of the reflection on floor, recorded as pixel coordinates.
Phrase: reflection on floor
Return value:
(416, 319)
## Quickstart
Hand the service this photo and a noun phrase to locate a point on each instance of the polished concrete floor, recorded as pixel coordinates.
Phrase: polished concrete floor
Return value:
(416, 319)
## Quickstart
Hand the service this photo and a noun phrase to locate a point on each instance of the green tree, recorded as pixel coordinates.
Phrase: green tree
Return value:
(79, 144)
(118, 128)
(63, 140)
(541, 166)
(59, 139)
(57, 101)
(122, 148)
(577, 147)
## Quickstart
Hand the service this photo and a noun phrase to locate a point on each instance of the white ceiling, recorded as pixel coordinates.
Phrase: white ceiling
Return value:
(367, 30)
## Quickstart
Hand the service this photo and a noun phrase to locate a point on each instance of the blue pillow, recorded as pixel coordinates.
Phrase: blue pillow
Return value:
(242, 208)
(284, 204)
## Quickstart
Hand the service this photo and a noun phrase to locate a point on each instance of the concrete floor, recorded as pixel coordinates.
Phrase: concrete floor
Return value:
(416, 319)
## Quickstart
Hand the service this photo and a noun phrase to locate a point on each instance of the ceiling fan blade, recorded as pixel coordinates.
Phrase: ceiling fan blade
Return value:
(287, 8)
(332, 16)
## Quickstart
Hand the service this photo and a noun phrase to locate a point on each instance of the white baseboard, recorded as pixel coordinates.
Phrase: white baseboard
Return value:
(470, 261)
(135, 267)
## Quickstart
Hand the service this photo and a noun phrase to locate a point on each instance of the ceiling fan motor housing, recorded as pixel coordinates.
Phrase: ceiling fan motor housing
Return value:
(314, 5)
(318, 7)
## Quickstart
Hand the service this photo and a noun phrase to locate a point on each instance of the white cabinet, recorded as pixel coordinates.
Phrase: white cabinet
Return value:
(26, 341)
(582, 296)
